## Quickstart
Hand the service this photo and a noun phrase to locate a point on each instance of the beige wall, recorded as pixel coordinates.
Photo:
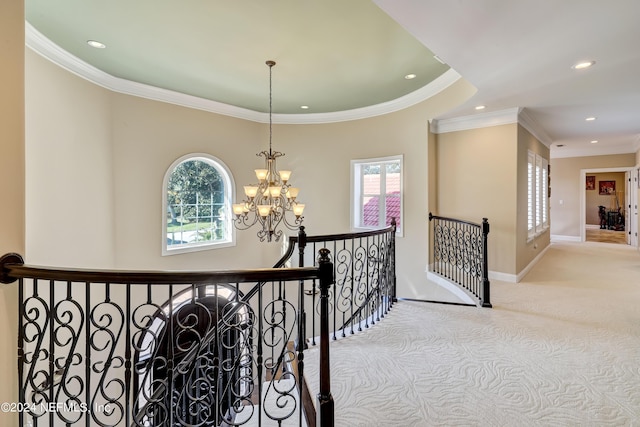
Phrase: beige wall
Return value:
(148, 137)
(69, 181)
(12, 223)
(477, 178)
(319, 156)
(567, 188)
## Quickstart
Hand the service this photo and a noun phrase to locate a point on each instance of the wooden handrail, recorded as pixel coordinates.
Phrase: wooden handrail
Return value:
(12, 268)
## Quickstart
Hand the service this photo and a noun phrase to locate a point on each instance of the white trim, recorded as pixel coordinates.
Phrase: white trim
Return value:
(355, 194)
(583, 195)
(561, 238)
(502, 277)
(529, 123)
(433, 88)
(230, 197)
(476, 121)
(452, 287)
(603, 150)
(528, 268)
(40, 44)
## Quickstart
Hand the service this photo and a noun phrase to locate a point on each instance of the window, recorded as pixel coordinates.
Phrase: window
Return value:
(537, 194)
(198, 190)
(376, 193)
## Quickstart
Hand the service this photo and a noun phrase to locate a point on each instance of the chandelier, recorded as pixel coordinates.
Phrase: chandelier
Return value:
(272, 201)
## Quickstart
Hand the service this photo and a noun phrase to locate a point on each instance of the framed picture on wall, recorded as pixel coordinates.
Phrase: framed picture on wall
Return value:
(607, 187)
(591, 182)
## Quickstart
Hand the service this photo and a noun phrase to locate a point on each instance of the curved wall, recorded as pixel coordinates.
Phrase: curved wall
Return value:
(119, 146)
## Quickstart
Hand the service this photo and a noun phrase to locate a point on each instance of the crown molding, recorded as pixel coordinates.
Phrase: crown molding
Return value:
(436, 86)
(40, 44)
(476, 121)
(564, 152)
(529, 123)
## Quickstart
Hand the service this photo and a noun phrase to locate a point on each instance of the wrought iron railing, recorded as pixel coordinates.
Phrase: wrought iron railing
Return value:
(134, 348)
(459, 254)
(365, 280)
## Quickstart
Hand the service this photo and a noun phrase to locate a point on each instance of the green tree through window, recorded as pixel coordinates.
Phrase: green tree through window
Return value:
(197, 204)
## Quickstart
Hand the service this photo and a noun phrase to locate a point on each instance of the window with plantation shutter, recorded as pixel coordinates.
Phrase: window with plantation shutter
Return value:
(537, 194)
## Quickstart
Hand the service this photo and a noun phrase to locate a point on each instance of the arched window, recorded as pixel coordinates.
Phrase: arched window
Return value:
(197, 197)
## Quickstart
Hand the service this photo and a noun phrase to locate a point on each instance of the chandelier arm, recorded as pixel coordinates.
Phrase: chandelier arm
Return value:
(242, 222)
(297, 221)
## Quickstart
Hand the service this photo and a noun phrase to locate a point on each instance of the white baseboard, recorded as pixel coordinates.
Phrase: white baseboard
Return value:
(502, 277)
(493, 275)
(560, 238)
(532, 264)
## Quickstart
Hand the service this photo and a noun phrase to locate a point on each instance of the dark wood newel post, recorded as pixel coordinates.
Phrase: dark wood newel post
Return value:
(301, 343)
(392, 261)
(486, 285)
(325, 414)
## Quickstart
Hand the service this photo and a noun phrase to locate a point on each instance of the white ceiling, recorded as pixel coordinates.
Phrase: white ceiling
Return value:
(337, 56)
(519, 53)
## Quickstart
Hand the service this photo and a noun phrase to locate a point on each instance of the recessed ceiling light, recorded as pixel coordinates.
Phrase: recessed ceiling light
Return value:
(410, 76)
(481, 107)
(582, 65)
(595, 141)
(96, 44)
(304, 107)
(590, 119)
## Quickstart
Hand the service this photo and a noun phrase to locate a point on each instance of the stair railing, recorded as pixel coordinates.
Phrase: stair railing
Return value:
(365, 279)
(142, 348)
(459, 255)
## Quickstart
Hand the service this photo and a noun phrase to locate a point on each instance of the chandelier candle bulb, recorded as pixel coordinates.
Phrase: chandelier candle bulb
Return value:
(285, 175)
(261, 174)
(275, 191)
(250, 191)
(238, 208)
(264, 210)
(292, 193)
(298, 209)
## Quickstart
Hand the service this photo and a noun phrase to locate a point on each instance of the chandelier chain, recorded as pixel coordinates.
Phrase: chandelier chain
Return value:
(270, 64)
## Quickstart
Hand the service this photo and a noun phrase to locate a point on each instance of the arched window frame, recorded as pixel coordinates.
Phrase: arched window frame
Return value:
(229, 186)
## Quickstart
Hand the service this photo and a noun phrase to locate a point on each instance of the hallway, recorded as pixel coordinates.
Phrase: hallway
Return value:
(559, 348)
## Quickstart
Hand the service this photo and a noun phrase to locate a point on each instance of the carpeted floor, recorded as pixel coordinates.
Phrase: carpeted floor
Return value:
(560, 348)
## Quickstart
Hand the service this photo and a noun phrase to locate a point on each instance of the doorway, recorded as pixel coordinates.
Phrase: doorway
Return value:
(605, 205)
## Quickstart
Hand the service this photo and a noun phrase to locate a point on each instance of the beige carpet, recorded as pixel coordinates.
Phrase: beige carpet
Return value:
(560, 348)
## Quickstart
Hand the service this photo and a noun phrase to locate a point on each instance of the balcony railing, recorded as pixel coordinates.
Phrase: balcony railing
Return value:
(365, 279)
(136, 348)
(459, 255)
